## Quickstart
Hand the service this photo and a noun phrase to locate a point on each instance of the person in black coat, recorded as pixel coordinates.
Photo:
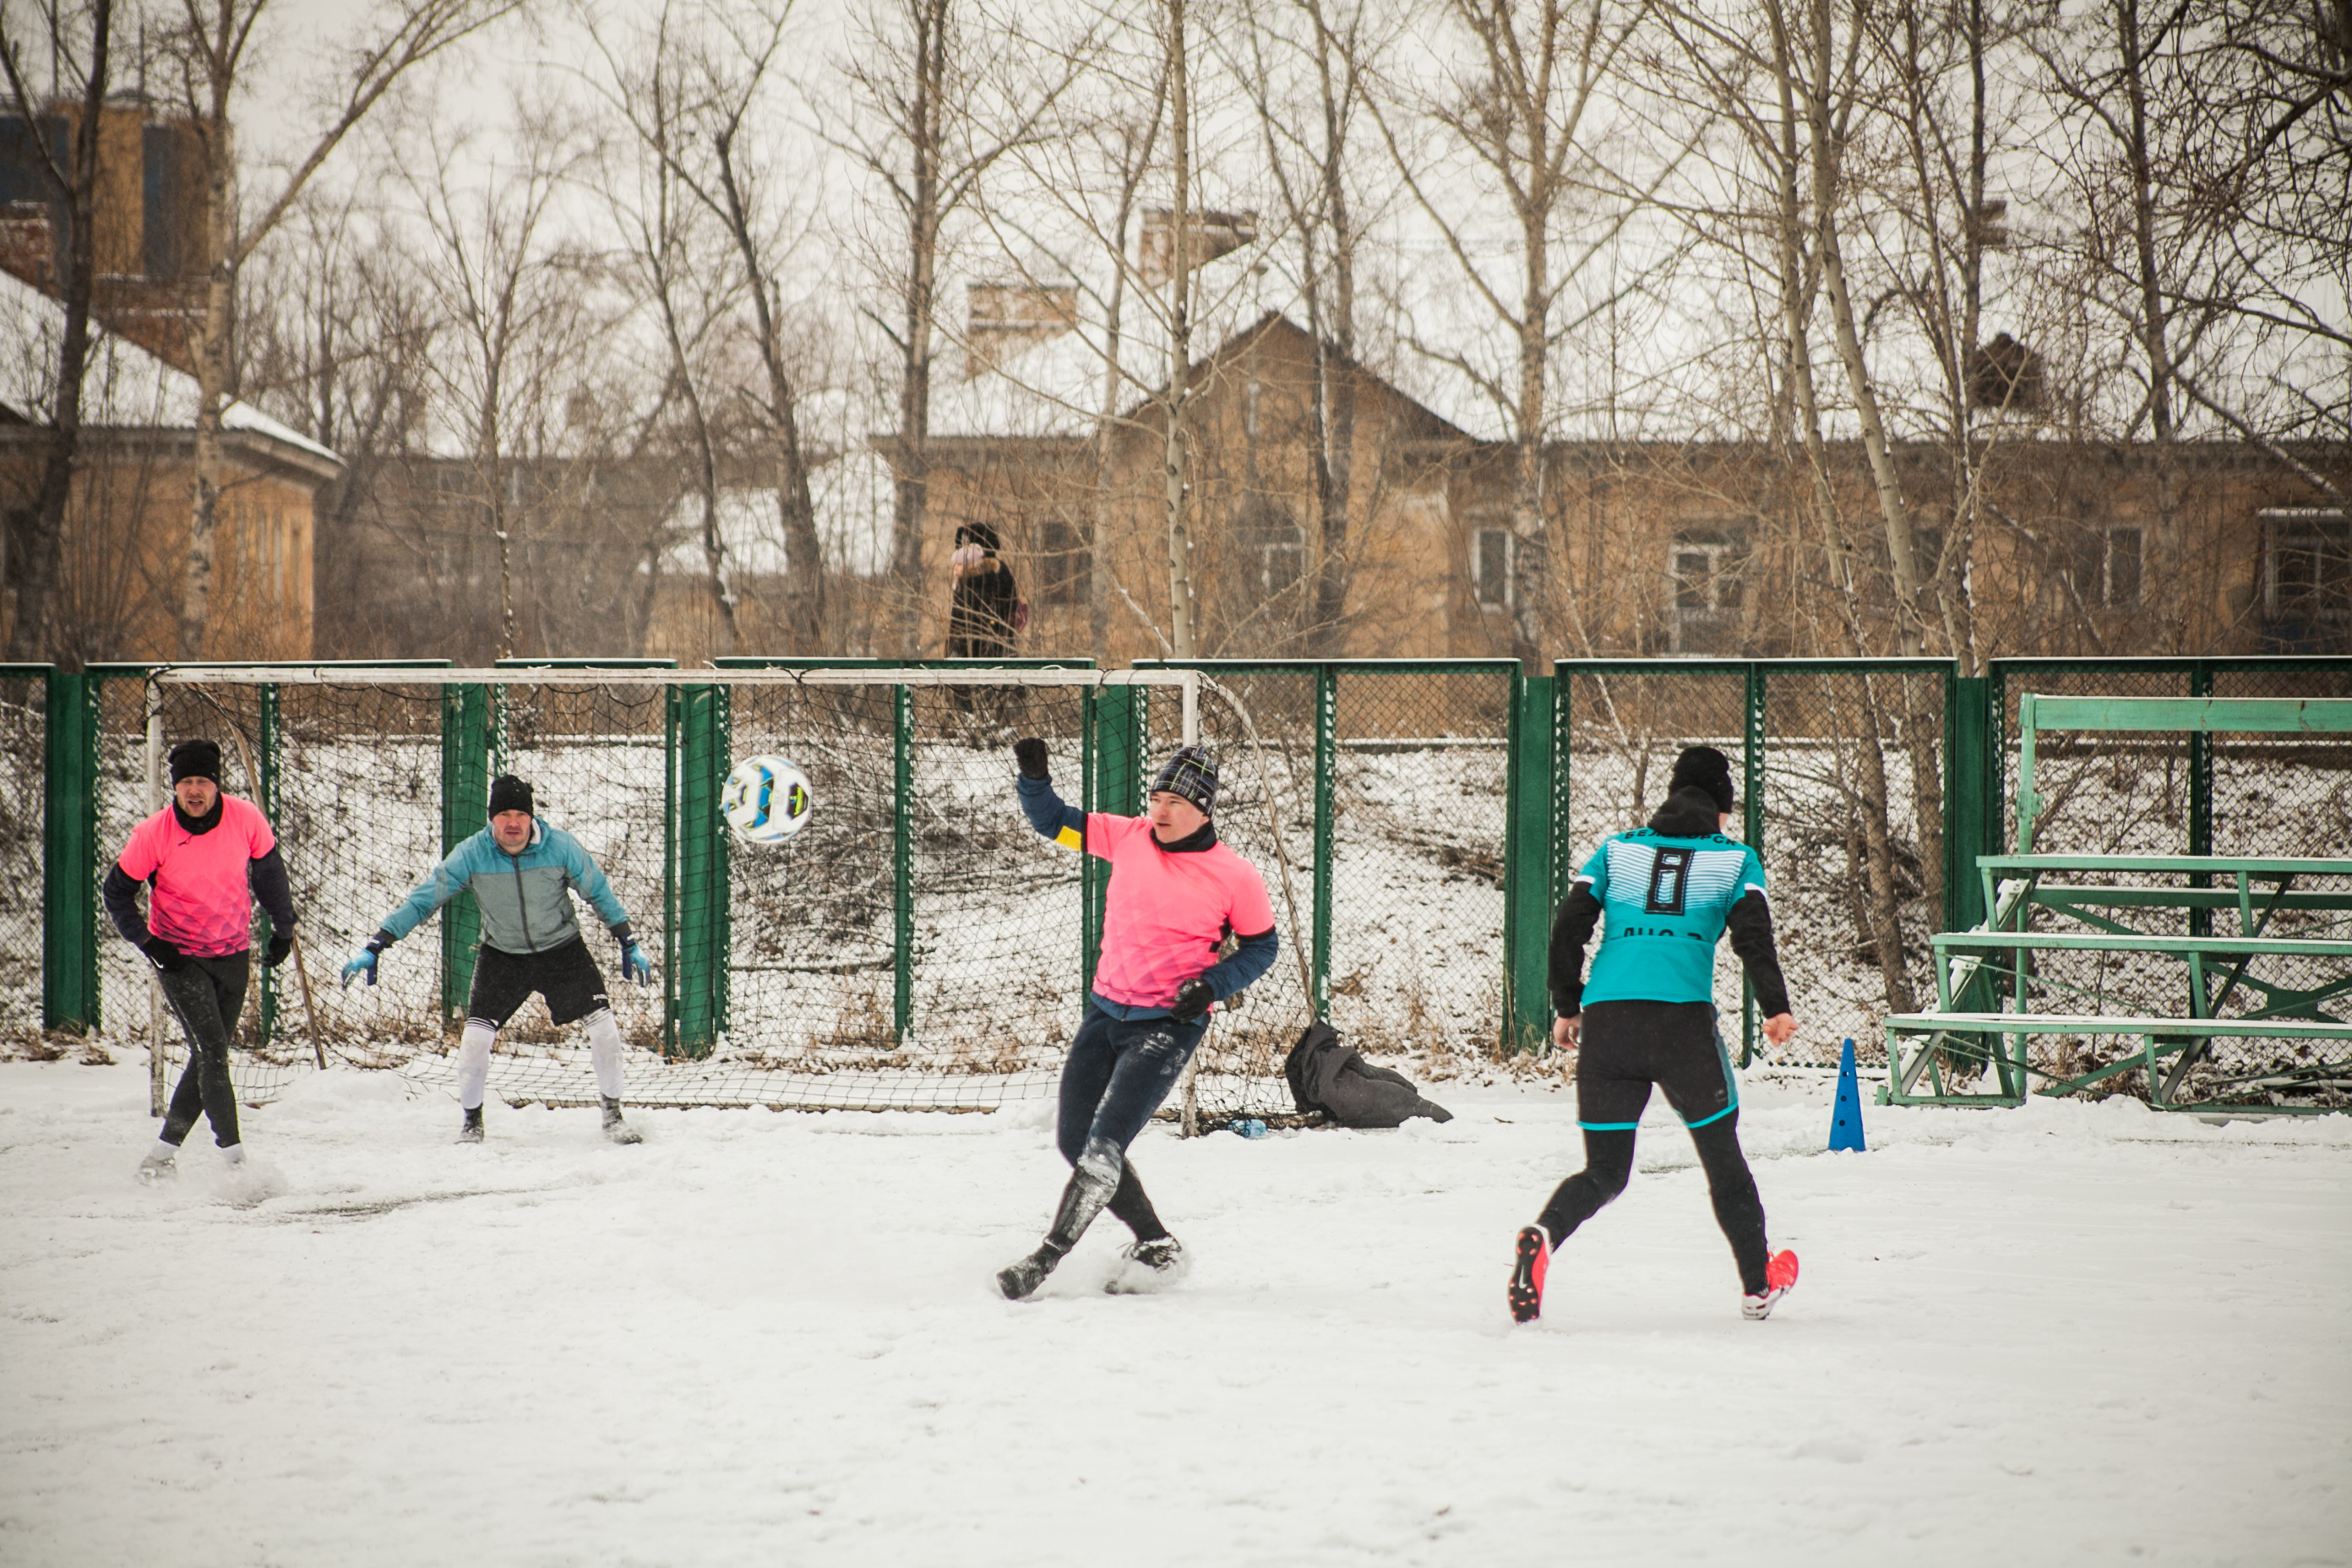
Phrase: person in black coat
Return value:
(981, 615)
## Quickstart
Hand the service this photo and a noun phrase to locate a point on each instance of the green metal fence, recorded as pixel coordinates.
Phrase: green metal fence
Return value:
(1433, 812)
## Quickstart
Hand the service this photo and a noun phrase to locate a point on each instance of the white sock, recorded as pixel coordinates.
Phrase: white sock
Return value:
(234, 1153)
(604, 1051)
(474, 1062)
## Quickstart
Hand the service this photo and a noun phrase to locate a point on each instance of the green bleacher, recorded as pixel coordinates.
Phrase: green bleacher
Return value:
(2050, 995)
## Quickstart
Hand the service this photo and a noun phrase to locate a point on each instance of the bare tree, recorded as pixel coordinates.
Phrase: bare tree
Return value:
(943, 105)
(208, 48)
(1530, 118)
(705, 139)
(1309, 133)
(506, 282)
(74, 186)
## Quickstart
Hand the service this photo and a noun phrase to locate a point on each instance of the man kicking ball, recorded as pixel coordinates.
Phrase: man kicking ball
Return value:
(1175, 893)
(523, 874)
(205, 858)
(1664, 895)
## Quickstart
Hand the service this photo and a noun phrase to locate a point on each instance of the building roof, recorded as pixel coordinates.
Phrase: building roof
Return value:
(125, 387)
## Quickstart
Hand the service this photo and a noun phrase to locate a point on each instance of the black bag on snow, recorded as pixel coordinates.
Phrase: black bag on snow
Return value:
(1335, 1079)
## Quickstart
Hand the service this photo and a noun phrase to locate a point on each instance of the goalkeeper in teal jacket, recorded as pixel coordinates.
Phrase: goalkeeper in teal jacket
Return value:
(1661, 898)
(523, 874)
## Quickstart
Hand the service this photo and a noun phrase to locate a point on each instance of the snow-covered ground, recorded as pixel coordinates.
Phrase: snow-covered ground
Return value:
(2072, 1334)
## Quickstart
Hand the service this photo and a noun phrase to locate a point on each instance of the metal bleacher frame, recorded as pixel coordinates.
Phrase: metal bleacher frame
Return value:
(1931, 1054)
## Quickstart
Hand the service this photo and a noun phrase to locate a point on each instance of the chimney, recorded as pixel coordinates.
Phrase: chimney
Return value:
(1213, 233)
(1001, 319)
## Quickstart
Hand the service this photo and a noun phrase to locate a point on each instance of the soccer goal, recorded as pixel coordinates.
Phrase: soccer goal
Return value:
(915, 946)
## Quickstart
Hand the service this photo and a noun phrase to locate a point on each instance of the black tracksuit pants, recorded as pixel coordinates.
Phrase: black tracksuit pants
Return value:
(1627, 1047)
(206, 994)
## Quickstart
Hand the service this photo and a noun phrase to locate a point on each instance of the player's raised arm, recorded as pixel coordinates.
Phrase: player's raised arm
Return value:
(1052, 818)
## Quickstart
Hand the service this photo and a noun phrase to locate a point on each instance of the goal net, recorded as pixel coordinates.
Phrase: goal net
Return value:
(917, 945)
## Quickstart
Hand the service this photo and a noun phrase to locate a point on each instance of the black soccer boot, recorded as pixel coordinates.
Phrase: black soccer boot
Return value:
(470, 1130)
(1083, 1196)
(619, 1131)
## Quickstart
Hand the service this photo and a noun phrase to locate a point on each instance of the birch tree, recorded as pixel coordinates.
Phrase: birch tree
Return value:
(208, 48)
(73, 185)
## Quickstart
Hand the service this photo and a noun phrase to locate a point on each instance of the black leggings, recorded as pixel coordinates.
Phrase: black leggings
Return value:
(1117, 1073)
(207, 995)
(1627, 1047)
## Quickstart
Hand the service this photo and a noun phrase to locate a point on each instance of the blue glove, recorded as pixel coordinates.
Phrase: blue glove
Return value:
(363, 963)
(634, 965)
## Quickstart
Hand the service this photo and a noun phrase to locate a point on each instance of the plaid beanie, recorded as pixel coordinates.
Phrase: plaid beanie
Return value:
(1190, 774)
(195, 760)
(508, 793)
(1707, 770)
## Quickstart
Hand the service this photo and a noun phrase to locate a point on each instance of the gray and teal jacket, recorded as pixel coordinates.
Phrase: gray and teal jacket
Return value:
(525, 899)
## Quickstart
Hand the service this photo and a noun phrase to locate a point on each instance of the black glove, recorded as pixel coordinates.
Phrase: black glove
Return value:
(1029, 755)
(164, 956)
(280, 944)
(1192, 999)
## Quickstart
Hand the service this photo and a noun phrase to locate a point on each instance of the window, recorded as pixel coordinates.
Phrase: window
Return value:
(2106, 568)
(1274, 549)
(2307, 579)
(1491, 550)
(1065, 565)
(1704, 568)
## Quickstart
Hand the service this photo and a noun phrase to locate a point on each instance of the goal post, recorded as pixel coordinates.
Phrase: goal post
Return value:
(915, 945)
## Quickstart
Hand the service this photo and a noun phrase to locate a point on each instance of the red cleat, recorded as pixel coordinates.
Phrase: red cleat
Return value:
(1530, 1260)
(1780, 1278)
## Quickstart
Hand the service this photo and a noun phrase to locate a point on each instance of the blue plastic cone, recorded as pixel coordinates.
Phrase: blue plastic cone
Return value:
(1845, 1123)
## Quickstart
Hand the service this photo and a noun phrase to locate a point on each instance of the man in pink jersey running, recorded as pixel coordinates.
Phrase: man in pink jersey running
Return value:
(1175, 894)
(205, 858)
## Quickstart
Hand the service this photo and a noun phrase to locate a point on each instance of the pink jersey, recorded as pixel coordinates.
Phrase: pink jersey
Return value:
(202, 902)
(1166, 913)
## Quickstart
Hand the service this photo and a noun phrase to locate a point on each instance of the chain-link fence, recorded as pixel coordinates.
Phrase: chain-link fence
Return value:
(917, 945)
(1842, 790)
(1390, 782)
(24, 731)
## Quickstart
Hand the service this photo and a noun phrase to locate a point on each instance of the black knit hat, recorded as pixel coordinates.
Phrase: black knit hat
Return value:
(195, 760)
(1705, 768)
(1190, 774)
(508, 793)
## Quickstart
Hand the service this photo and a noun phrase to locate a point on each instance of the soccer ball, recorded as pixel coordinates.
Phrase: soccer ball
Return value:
(766, 800)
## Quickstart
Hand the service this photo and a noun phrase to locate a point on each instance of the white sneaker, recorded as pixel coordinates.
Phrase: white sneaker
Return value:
(1151, 1266)
(233, 1156)
(161, 1164)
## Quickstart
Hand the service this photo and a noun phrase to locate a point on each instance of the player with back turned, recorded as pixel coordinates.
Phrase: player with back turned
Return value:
(1662, 895)
(1175, 894)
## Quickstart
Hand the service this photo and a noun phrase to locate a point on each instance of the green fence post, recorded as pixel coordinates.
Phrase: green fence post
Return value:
(69, 854)
(1971, 784)
(1529, 857)
(1563, 835)
(1113, 785)
(1327, 773)
(1751, 829)
(902, 859)
(694, 877)
(2201, 797)
(465, 811)
(267, 784)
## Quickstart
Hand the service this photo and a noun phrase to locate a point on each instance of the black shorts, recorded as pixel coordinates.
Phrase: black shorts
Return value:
(1629, 1046)
(565, 975)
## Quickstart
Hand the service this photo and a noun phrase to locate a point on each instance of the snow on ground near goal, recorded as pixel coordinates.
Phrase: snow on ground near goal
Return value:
(2074, 1333)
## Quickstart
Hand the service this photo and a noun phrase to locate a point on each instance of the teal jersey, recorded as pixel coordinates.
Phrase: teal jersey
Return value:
(1663, 902)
